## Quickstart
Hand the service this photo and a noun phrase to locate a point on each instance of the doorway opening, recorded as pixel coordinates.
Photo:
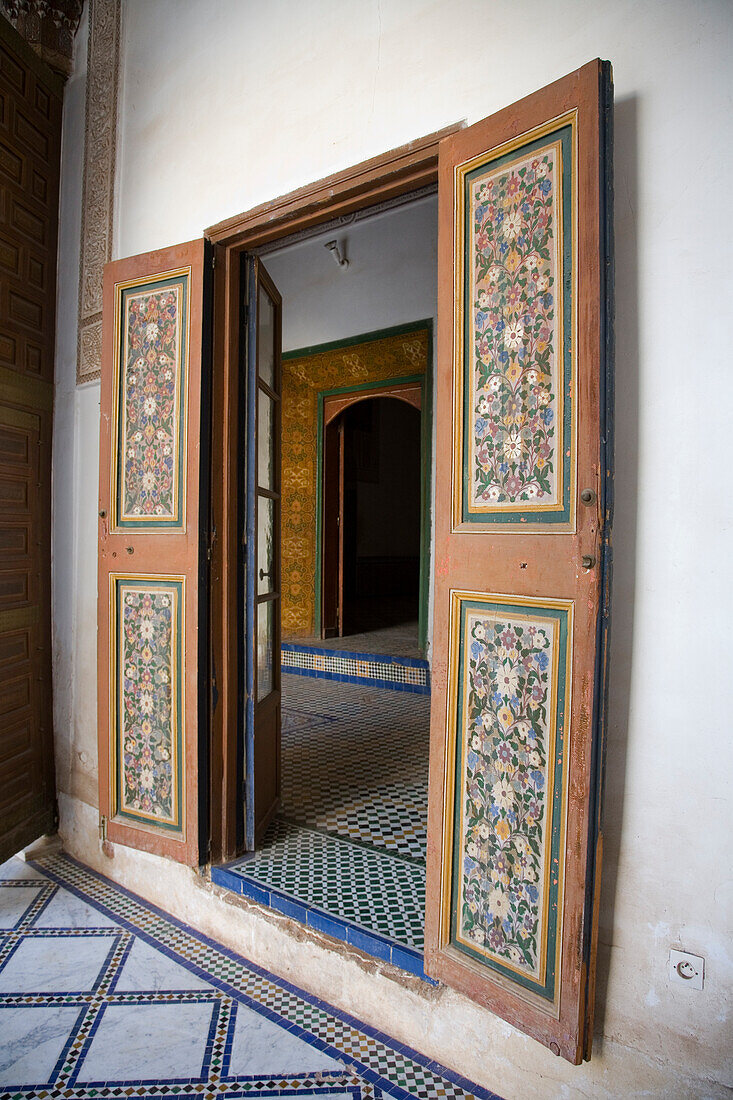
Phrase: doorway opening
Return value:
(371, 517)
(345, 849)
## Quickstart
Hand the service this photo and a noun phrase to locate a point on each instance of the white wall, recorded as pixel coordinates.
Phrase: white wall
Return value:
(230, 103)
(75, 477)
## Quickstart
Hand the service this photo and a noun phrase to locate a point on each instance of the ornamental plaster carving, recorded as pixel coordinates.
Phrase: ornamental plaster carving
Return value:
(100, 140)
(48, 26)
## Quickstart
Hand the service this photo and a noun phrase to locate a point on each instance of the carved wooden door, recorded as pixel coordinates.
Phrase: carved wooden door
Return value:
(522, 558)
(262, 554)
(152, 513)
(30, 140)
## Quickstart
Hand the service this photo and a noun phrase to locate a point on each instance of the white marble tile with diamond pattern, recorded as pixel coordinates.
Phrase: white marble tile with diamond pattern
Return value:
(103, 995)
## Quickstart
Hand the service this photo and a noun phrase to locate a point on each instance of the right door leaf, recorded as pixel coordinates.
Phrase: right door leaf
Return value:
(522, 558)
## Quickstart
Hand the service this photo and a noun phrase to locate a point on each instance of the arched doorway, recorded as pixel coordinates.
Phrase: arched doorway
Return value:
(372, 508)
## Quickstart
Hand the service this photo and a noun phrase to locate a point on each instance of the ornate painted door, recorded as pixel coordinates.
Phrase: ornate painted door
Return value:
(152, 519)
(262, 554)
(522, 558)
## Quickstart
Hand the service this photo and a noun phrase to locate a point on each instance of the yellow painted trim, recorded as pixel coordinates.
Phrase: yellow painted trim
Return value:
(446, 862)
(138, 582)
(118, 433)
(558, 380)
(459, 597)
(460, 173)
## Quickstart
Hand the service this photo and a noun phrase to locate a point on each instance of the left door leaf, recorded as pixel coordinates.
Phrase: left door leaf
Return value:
(151, 666)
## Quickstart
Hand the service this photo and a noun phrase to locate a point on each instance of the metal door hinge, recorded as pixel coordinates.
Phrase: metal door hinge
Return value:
(213, 260)
(103, 829)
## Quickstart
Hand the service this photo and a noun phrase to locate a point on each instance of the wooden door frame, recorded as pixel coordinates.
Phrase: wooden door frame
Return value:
(388, 387)
(381, 178)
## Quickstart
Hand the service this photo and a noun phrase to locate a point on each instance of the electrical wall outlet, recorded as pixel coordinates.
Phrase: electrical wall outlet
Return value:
(686, 969)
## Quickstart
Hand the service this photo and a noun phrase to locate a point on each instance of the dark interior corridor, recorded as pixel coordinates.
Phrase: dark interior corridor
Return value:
(374, 568)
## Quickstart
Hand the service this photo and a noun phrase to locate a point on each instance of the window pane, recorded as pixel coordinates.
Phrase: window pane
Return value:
(266, 340)
(265, 623)
(265, 442)
(265, 545)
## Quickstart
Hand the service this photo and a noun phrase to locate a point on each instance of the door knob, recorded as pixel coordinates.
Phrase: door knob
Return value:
(588, 561)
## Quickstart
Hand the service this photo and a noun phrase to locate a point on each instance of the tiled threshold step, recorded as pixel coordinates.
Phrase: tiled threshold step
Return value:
(375, 669)
(371, 899)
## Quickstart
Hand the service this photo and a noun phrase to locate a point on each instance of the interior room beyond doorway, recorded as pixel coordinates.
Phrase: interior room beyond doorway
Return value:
(371, 514)
(346, 851)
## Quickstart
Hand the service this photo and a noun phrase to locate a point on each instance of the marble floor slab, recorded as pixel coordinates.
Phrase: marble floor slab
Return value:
(103, 995)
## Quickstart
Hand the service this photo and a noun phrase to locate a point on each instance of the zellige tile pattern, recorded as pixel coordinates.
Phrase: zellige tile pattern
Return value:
(410, 674)
(222, 1027)
(355, 763)
(347, 854)
(375, 890)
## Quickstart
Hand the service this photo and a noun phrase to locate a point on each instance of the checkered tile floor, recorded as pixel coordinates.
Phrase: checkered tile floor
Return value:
(103, 995)
(351, 838)
(372, 889)
(355, 763)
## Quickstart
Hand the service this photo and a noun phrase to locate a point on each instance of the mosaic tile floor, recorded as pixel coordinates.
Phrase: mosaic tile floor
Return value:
(351, 841)
(103, 995)
(372, 889)
(355, 763)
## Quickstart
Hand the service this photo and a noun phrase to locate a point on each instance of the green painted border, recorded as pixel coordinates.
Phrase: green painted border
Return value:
(150, 523)
(514, 519)
(120, 584)
(560, 615)
(426, 381)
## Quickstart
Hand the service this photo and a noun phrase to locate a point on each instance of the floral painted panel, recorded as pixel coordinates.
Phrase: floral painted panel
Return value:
(149, 734)
(515, 358)
(509, 807)
(151, 453)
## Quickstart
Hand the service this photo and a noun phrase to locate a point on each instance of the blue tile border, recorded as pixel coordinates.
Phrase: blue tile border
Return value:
(371, 943)
(386, 660)
(392, 1089)
(367, 681)
(381, 658)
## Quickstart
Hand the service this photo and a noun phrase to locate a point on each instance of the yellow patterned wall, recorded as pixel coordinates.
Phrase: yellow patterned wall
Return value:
(302, 380)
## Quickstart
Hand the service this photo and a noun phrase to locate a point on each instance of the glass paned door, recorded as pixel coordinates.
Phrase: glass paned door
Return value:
(262, 554)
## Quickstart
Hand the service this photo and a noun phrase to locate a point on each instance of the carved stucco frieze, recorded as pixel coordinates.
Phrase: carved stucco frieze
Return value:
(48, 26)
(100, 140)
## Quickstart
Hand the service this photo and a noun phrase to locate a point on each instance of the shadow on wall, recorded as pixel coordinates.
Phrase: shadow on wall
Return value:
(626, 420)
